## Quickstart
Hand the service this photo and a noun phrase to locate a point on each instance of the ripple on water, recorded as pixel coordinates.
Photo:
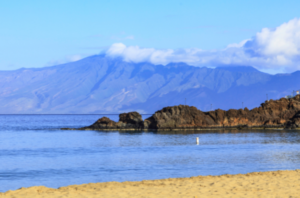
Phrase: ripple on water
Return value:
(34, 152)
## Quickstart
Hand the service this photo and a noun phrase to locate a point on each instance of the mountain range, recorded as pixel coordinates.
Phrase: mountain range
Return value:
(101, 85)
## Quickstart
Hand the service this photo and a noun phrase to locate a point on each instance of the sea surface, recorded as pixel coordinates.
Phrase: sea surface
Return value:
(34, 152)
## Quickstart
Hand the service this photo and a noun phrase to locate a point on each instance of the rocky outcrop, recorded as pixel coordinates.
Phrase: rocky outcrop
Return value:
(127, 121)
(282, 113)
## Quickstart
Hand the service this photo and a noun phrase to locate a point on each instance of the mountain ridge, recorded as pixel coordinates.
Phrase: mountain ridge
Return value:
(100, 84)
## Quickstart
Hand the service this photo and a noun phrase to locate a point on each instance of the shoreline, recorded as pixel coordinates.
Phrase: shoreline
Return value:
(185, 129)
(281, 183)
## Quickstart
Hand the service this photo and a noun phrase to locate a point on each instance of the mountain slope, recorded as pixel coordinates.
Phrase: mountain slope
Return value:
(98, 84)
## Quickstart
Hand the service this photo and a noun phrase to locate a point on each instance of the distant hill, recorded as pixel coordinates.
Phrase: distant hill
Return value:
(98, 84)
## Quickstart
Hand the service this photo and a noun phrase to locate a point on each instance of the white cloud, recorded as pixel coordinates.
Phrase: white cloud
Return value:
(116, 49)
(284, 40)
(276, 48)
(67, 59)
(240, 44)
(136, 54)
(75, 58)
(271, 50)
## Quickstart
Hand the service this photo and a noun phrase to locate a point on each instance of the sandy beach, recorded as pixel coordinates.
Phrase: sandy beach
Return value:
(257, 184)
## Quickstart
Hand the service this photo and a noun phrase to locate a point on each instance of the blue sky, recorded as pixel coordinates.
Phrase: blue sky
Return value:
(43, 33)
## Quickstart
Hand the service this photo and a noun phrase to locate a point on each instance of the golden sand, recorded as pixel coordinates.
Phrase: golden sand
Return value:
(258, 184)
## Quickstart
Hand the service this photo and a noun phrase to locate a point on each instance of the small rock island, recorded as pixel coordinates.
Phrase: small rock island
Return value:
(273, 114)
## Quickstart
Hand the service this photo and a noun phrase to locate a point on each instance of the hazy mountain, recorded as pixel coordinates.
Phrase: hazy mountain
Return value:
(98, 84)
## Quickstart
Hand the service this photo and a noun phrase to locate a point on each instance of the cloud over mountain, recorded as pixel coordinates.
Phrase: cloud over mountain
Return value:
(99, 84)
(271, 50)
(278, 47)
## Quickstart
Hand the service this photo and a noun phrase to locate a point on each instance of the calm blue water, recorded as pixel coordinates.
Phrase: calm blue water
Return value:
(34, 152)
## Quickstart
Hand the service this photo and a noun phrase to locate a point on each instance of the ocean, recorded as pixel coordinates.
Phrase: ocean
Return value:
(34, 152)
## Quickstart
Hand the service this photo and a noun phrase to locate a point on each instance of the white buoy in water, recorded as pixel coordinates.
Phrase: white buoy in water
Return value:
(197, 140)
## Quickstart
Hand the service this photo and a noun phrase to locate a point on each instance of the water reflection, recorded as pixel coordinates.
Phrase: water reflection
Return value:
(210, 137)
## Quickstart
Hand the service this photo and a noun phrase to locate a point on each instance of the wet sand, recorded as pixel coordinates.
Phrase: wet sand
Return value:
(257, 184)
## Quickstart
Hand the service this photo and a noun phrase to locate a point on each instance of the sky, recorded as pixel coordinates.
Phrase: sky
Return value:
(264, 34)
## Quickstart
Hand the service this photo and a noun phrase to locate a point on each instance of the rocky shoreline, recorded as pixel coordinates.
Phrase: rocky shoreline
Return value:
(273, 114)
